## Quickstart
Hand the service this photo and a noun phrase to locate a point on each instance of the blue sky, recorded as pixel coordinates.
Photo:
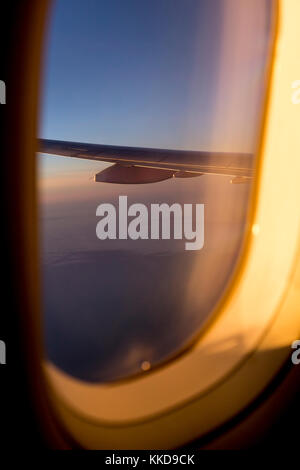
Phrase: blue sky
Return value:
(151, 73)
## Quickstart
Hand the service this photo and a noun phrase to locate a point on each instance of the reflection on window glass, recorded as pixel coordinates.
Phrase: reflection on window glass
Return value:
(165, 74)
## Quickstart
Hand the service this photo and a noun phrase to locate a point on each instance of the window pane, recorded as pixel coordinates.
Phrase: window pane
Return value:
(163, 74)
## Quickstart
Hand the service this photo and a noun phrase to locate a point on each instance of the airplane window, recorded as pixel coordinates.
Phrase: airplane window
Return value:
(149, 128)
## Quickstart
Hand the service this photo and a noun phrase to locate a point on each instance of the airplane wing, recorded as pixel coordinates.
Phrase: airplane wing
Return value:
(133, 165)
